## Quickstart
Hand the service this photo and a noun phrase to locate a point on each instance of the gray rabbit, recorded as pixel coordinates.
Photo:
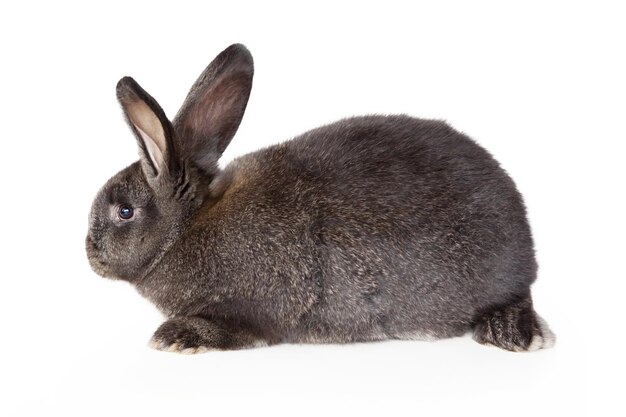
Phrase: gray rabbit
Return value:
(370, 228)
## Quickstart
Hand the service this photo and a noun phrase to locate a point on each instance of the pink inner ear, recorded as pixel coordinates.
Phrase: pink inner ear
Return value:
(155, 153)
(151, 131)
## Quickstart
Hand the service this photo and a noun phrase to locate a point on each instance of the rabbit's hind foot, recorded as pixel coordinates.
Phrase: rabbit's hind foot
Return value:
(515, 327)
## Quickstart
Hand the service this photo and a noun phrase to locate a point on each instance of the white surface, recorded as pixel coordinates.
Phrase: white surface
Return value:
(541, 86)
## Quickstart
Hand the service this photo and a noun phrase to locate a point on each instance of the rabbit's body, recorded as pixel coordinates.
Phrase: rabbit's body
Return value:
(370, 228)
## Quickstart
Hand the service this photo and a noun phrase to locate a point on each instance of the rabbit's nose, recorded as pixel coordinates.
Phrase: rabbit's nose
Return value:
(91, 243)
(96, 236)
(92, 222)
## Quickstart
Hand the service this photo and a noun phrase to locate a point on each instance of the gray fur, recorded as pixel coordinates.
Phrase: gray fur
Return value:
(369, 228)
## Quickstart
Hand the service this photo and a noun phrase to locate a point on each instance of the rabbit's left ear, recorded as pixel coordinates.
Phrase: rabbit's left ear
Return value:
(154, 132)
(212, 111)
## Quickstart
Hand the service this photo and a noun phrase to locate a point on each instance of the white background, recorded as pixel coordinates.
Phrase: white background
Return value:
(541, 85)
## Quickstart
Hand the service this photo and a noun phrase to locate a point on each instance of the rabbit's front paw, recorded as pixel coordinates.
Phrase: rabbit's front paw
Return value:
(177, 346)
(188, 335)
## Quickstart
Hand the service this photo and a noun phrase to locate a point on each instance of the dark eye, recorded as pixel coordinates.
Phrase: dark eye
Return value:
(125, 212)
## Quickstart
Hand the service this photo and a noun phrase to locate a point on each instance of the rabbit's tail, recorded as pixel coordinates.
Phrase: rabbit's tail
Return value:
(514, 327)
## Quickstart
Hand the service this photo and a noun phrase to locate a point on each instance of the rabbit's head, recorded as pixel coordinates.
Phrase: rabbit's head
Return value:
(140, 211)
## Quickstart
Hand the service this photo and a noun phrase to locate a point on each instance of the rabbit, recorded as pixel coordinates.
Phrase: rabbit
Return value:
(370, 228)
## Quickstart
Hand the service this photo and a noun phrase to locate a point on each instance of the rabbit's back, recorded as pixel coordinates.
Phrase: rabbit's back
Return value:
(369, 228)
(420, 226)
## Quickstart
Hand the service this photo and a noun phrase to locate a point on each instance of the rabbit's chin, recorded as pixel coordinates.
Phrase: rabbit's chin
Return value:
(101, 268)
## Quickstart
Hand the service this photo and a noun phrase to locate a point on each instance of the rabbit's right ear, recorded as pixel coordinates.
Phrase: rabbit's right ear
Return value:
(153, 130)
(212, 111)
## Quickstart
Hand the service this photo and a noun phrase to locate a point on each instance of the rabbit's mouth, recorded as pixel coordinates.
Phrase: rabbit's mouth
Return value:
(99, 266)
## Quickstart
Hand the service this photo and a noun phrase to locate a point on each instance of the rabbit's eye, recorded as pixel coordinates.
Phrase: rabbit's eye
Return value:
(124, 212)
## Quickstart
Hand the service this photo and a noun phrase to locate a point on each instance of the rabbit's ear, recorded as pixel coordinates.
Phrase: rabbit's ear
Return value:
(153, 130)
(212, 111)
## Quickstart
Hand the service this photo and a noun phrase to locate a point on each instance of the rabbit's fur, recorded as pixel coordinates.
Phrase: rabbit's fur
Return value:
(369, 228)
